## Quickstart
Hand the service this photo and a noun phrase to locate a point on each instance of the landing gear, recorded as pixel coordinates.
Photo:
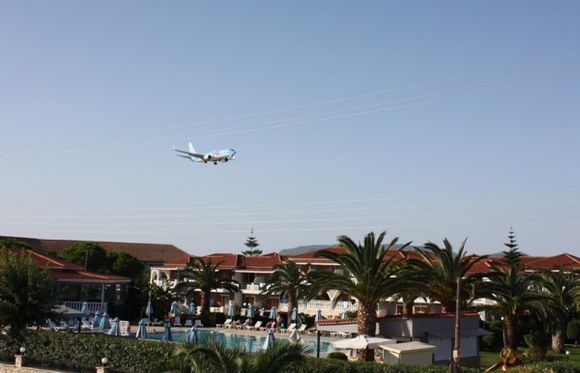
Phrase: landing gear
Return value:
(215, 163)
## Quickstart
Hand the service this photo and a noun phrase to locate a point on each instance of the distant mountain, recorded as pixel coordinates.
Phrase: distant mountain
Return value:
(303, 249)
(310, 248)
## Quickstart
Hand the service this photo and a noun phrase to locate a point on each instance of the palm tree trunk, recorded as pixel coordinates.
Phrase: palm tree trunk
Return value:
(206, 296)
(509, 332)
(291, 303)
(558, 340)
(367, 325)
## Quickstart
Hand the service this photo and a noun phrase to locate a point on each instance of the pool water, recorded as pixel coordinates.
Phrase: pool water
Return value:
(250, 343)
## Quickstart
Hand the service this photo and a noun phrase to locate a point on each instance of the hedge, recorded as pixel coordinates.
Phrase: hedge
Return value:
(83, 352)
(338, 366)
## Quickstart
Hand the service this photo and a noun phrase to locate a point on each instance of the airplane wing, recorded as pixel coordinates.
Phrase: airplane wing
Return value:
(188, 157)
(196, 155)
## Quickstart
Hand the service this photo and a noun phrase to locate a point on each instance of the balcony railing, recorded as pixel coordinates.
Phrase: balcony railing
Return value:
(78, 305)
(324, 305)
(252, 288)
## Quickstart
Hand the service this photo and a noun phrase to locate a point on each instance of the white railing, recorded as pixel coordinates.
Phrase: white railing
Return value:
(253, 288)
(324, 305)
(166, 284)
(78, 305)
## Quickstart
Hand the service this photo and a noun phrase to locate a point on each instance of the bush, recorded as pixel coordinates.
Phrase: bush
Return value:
(549, 367)
(573, 331)
(537, 345)
(490, 342)
(337, 356)
(83, 352)
(338, 366)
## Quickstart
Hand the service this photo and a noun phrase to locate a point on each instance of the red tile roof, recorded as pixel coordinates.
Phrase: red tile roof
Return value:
(65, 271)
(145, 252)
(562, 261)
(262, 262)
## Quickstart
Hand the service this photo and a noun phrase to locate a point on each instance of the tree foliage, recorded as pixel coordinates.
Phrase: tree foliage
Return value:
(560, 289)
(252, 244)
(368, 274)
(288, 280)
(216, 358)
(514, 293)
(26, 291)
(204, 276)
(88, 255)
(435, 270)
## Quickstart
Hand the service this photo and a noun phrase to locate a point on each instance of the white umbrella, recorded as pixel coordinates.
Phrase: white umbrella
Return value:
(104, 323)
(115, 330)
(167, 336)
(294, 336)
(149, 309)
(251, 311)
(192, 336)
(97, 319)
(85, 309)
(142, 330)
(269, 342)
(318, 316)
(362, 342)
(272, 313)
(294, 315)
(231, 311)
(173, 309)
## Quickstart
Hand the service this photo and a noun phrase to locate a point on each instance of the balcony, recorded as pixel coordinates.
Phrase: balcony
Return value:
(251, 288)
(324, 305)
(78, 305)
(166, 284)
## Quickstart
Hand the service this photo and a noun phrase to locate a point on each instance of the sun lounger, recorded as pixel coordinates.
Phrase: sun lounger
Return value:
(124, 328)
(85, 325)
(177, 321)
(290, 328)
(301, 329)
(188, 322)
(198, 323)
(225, 324)
(256, 326)
(156, 322)
(57, 328)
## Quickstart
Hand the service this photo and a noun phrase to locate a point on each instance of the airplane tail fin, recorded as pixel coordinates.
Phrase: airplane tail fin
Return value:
(191, 149)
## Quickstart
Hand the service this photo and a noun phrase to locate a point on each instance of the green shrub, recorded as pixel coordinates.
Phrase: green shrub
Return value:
(549, 367)
(573, 331)
(82, 352)
(537, 345)
(337, 356)
(338, 366)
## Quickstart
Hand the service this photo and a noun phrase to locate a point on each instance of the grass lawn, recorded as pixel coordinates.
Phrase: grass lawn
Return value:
(489, 358)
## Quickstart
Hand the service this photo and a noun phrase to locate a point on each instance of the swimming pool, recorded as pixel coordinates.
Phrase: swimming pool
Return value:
(250, 343)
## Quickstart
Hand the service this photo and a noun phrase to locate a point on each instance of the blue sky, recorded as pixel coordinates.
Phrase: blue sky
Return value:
(425, 119)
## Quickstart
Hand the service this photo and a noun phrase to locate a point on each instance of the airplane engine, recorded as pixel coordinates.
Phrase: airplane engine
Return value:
(207, 157)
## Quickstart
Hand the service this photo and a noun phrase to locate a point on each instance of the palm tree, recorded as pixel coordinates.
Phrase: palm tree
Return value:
(287, 280)
(369, 275)
(561, 289)
(215, 357)
(204, 276)
(436, 269)
(513, 294)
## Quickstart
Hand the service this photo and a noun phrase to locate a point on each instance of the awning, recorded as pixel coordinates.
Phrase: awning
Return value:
(450, 333)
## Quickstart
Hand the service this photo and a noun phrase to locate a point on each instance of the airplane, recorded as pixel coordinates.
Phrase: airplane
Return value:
(215, 156)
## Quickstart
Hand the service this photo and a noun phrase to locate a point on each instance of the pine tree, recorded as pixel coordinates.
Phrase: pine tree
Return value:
(252, 244)
(512, 255)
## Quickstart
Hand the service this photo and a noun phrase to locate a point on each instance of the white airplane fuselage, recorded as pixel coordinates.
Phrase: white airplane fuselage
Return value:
(214, 157)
